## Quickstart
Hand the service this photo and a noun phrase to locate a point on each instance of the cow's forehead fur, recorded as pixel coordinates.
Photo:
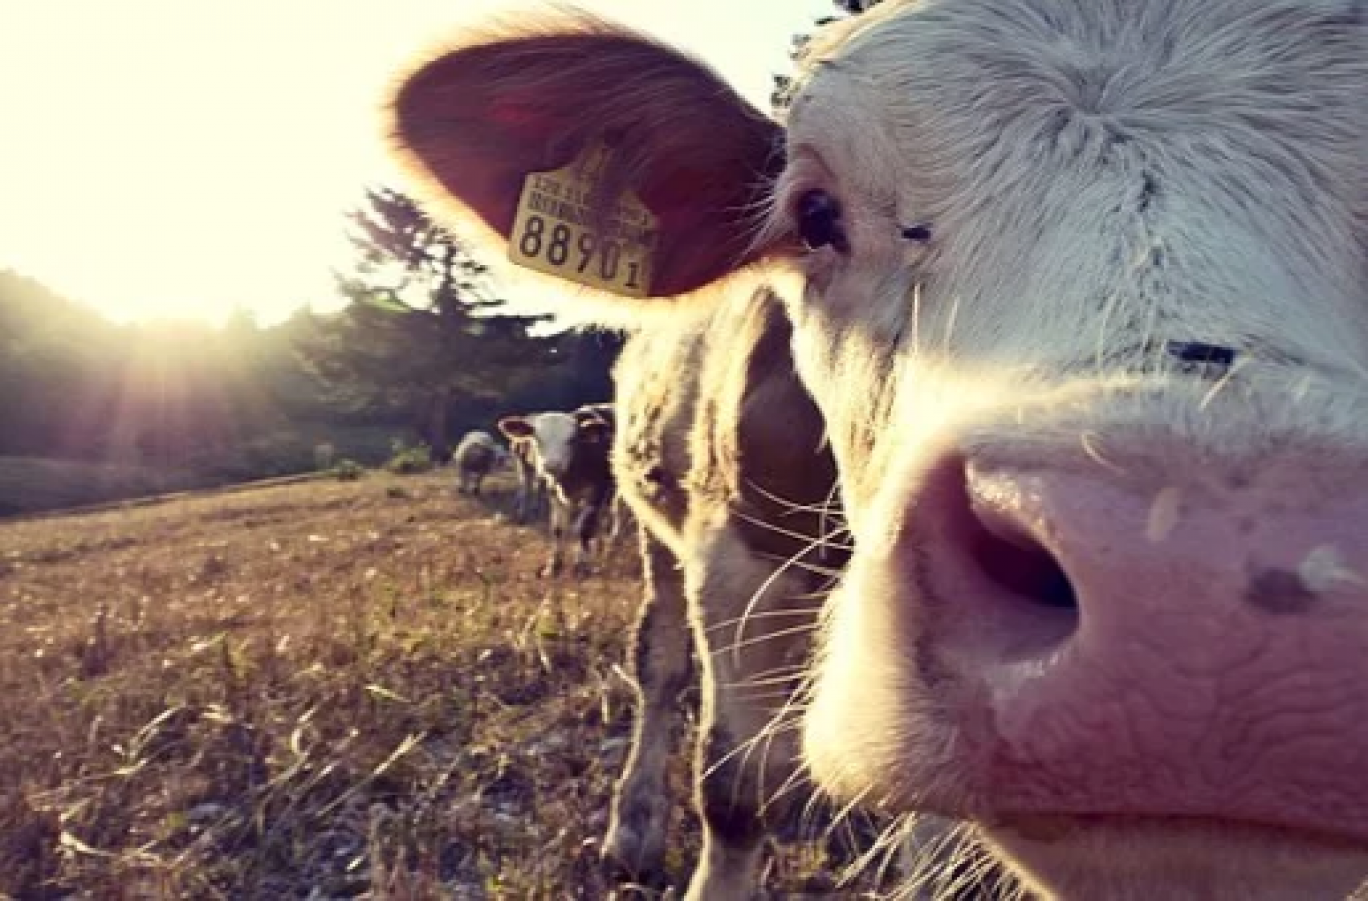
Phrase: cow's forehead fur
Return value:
(1123, 60)
(554, 432)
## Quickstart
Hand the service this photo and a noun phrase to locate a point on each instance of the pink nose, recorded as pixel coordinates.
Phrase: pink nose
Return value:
(1196, 648)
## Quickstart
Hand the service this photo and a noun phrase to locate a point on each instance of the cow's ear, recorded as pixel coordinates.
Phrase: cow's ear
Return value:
(473, 122)
(515, 427)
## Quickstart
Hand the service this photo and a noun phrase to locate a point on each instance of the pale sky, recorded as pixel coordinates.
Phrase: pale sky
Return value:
(179, 157)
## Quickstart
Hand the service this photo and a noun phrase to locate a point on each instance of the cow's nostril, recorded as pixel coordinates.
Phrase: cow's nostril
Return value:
(979, 546)
(1016, 562)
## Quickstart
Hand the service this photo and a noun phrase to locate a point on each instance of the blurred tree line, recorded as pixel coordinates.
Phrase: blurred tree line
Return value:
(423, 351)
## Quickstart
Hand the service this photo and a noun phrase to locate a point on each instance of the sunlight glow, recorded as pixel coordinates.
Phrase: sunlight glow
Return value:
(172, 159)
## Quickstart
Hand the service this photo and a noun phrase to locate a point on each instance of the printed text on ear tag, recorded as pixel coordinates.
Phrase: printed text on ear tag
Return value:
(553, 231)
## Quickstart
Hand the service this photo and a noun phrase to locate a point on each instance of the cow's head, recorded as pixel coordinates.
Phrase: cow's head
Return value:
(557, 439)
(1081, 290)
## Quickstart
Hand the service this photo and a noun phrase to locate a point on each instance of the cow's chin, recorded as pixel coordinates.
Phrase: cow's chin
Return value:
(1119, 859)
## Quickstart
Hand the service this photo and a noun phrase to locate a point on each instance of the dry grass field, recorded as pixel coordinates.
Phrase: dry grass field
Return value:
(326, 690)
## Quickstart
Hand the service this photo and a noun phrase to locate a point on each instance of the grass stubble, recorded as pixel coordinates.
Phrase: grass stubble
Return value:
(316, 691)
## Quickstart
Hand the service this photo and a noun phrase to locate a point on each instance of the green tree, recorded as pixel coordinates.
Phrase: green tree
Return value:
(420, 331)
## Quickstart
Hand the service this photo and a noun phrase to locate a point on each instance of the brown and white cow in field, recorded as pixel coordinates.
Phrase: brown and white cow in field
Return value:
(1080, 290)
(569, 453)
(476, 456)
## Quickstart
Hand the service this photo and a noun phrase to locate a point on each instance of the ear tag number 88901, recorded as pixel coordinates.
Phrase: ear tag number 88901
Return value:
(554, 233)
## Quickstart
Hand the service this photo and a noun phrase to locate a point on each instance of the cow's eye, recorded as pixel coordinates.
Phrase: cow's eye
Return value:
(917, 234)
(819, 222)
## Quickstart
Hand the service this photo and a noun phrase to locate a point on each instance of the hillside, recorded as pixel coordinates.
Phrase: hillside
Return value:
(313, 691)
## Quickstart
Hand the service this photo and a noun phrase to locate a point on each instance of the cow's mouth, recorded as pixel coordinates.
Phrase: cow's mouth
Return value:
(1049, 828)
(1114, 856)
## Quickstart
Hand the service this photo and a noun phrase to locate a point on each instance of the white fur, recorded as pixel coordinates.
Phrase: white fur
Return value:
(555, 437)
(478, 439)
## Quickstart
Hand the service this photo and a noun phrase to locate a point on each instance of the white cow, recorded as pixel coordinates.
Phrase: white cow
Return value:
(1081, 292)
(476, 456)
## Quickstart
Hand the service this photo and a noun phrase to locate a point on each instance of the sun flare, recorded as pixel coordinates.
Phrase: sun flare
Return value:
(172, 160)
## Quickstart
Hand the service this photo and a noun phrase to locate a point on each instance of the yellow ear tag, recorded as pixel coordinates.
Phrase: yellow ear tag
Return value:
(553, 230)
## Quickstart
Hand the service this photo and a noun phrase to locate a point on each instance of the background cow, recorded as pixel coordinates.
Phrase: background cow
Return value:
(1079, 290)
(529, 501)
(476, 456)
(570, 454)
